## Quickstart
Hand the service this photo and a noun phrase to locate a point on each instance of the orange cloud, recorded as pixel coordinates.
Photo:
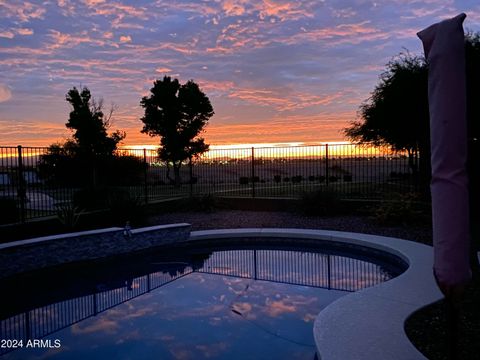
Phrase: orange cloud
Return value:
(10, 34)
(5, 93)
(343, 33)
(282, 100)
(64, 40)
(23, 11)
(287, 10)
(31, 132)
(234, 8)
(125, 39)
(100, 325)
(316, 128)
(163, 70)
(7, 34)
(276, 308)
(24, 31)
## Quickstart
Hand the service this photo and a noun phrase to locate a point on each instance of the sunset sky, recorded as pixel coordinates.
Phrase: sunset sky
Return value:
(275, 71)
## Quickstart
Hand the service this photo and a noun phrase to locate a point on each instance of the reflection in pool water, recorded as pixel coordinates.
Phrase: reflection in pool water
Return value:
(187, 304)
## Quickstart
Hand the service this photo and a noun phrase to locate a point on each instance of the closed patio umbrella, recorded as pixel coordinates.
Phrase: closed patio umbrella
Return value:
(444, 45)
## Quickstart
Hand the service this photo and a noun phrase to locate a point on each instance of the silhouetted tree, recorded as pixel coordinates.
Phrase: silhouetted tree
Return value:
(397, 114)
(89, 124)
(178, 114)
(88, 158)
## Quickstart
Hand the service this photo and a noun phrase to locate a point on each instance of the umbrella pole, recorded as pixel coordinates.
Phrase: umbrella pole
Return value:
(453, 317)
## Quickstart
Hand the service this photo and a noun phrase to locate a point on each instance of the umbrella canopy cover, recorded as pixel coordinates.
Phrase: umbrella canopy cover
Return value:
(444, 45)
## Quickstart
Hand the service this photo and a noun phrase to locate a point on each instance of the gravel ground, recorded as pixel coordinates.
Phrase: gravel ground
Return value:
(257, 219)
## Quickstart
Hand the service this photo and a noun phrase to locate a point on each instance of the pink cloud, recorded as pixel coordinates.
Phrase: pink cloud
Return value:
(11, 33)
(282, 100)
(7, 34)
(64, 40)
(5, 93)
(284, 10)
(24, 31)
(23, 11)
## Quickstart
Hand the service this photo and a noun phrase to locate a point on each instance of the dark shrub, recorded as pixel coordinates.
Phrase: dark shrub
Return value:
(8, 210)
(91, 199)
(403, 209)
(321, 202)
(124, 206)
(286, 179)
(201, 203)
(63, 168)
(311, 178)
(243, 180)
(277, 178)
(297, 179)
(347, 178)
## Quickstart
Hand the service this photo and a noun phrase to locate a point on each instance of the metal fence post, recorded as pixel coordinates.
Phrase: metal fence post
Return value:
(145, 183)
(190, 170)
(253, 172)
(255, 264)
(21, 190)
(326, 164)
(329, 275)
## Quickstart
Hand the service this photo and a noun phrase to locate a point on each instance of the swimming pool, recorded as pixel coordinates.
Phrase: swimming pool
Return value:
(246, 298)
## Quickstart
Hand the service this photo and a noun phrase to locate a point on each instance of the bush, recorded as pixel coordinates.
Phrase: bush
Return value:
(297, 179)
(321, 202)
(243, 180)
(68, 215)
(203, 203)
(124, 207)
(62, 168)
(8, 210)
(91, 199)
(277, 178)
(404, 209)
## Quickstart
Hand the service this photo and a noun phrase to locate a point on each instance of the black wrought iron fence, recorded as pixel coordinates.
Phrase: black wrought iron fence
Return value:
(38, 181)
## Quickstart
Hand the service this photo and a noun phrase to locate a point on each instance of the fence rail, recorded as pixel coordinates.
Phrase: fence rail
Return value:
(37, 181)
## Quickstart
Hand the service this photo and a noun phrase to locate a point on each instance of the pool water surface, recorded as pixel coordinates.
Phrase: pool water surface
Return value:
(247, 303)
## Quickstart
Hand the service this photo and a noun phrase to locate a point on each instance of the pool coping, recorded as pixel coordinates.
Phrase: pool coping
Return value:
(367, 324)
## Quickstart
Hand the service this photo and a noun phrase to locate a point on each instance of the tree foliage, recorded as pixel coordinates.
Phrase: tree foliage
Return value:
(89, 124)
(178, 114)
(396, 114)
(88, 158)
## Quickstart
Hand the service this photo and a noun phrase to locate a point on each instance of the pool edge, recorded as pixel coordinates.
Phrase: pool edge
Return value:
(368, 324)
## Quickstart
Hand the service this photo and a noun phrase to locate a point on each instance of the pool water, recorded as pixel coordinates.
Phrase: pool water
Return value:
(196, 303)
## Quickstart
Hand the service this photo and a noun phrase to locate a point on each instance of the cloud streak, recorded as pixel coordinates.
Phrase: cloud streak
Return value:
(289, 71)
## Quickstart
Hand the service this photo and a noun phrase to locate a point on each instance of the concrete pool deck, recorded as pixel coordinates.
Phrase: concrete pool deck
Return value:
(367, 324)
